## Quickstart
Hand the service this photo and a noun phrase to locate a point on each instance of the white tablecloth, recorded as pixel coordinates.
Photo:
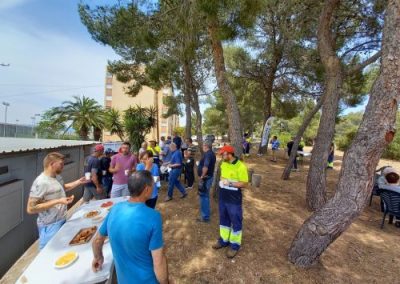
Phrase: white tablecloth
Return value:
(42, 270)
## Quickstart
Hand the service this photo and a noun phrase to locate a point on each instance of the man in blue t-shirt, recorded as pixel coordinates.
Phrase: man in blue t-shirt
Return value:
(175, 166)
(135, 233)
(205, 172)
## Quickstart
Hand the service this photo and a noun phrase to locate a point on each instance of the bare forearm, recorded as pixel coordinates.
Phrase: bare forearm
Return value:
(95, 180)
(204, 171)
(97, 246)
(175, 165)
(161, 271)
(72, 185)
(112, 170)
(35, 207)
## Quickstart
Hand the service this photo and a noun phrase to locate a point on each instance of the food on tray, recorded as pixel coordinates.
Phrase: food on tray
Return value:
(66, 259)
(83, 236)
(92, 214)
(107, 204)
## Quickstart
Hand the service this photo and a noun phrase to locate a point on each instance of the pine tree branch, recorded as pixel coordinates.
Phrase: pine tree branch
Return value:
(364, 64)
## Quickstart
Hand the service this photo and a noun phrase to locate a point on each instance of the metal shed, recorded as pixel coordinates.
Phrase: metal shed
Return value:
(21, 161)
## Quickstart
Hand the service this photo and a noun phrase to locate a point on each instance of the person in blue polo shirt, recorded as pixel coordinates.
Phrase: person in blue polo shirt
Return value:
(234, 177)
(175, 166)
(135, 233)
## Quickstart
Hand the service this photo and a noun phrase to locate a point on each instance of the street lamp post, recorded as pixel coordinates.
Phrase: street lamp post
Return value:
(5, 117)
(16, 125)
(34, 123)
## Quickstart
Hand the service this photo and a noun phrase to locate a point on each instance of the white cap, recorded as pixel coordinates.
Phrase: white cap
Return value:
(389, 170)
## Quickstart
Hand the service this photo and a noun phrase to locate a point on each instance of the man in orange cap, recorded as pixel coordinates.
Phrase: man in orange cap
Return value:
(234, 177)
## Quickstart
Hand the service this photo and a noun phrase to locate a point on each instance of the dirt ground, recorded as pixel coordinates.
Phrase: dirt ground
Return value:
(272, 215)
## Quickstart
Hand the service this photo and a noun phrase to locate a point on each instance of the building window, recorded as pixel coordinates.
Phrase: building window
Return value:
(108, 92)
(109, 75)
(108, 98)
(109, 86)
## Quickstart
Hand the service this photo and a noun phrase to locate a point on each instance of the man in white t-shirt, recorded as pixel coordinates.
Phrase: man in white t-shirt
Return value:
(48, 199)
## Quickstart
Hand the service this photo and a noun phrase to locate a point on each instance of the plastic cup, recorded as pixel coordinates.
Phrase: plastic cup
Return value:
(87, 176)
(104, 173)
(126, 172)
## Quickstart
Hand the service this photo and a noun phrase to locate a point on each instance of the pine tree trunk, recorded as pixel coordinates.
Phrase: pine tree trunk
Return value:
(232, 111)
(187, 99)
(316, 180)
(357, 173)
(267, 114)
(307, 120)
(199, 132)
(268, 89)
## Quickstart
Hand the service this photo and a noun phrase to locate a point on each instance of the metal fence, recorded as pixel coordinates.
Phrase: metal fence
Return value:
(16, 130)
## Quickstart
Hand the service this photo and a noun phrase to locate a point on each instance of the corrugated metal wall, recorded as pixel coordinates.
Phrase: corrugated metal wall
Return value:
(17, 173)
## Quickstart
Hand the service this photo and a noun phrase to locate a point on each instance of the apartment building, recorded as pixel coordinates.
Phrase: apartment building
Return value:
(116, 97)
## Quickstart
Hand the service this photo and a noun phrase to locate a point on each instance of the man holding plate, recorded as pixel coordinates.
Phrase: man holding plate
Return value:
(234, 177)
(47, 197)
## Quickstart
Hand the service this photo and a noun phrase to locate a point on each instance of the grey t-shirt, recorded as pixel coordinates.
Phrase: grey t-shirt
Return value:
(48, 188)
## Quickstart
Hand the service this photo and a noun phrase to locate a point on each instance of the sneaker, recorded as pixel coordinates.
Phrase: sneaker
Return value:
(189, 187)
(168, 199)
(218, 245)
(184, 196)
(231, 253)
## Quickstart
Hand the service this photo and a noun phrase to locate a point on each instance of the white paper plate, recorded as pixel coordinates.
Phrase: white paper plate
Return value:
(68, 264)
(85, 214)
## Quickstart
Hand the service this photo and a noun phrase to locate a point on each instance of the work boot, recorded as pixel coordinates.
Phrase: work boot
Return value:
(184, 195)
(168, 199)
(218, 245)
(231, 253)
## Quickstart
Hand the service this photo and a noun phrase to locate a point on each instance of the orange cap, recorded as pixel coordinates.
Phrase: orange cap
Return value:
(228, 149)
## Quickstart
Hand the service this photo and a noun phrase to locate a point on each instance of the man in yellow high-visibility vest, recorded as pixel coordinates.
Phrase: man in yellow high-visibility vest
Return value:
(234, 177)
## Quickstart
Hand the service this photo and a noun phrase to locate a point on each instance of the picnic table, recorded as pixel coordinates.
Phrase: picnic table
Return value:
(42, 269)
(305, 154)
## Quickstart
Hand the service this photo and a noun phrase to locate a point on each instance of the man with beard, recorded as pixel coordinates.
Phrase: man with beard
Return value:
(47, 197)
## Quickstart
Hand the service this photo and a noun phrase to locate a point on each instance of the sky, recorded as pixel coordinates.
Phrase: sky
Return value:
(52, 57)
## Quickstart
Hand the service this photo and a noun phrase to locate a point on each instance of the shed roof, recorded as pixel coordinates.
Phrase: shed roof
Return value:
(12, 145)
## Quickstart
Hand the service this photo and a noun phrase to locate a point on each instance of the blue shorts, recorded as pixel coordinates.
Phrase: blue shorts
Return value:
(46, 232)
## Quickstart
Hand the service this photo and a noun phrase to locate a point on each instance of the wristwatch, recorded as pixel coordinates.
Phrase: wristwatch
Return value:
(231, 184)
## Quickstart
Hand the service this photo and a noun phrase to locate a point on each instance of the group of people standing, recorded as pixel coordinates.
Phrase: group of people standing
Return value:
(134, 228)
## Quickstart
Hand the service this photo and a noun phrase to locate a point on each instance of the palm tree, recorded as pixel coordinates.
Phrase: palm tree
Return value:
(113, 123)
(138, 122)
(83, 114)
